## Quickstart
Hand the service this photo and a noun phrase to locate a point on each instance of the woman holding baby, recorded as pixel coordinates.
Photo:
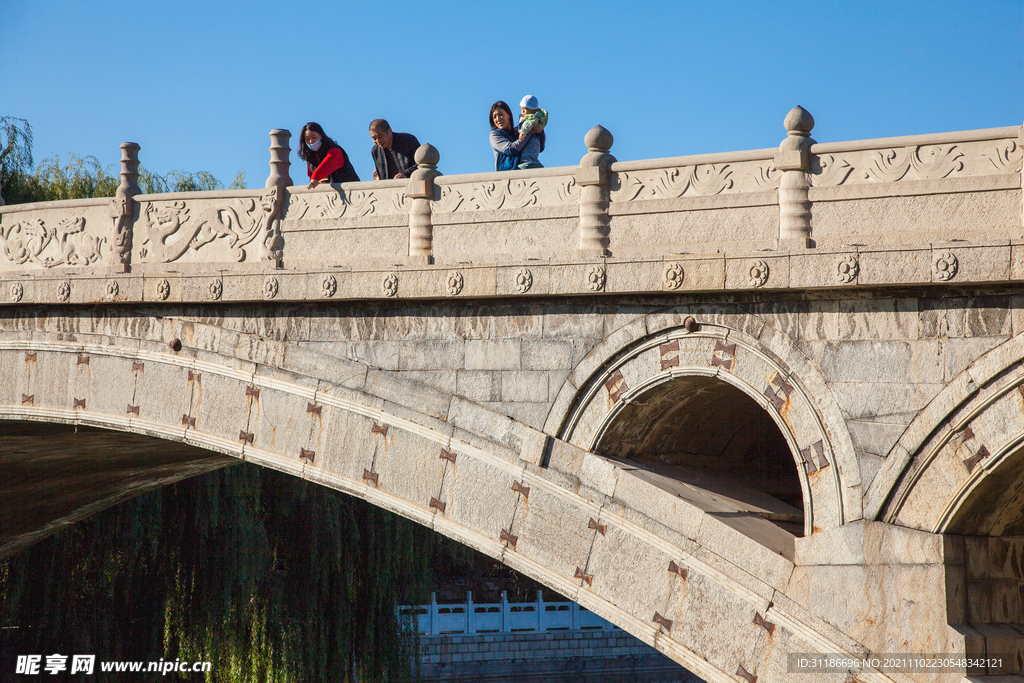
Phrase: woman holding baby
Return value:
(517, 147)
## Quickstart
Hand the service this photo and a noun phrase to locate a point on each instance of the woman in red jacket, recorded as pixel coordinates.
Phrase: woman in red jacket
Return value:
(326, 161)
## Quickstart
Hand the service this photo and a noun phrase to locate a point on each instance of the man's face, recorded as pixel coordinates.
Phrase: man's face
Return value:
(382, 138)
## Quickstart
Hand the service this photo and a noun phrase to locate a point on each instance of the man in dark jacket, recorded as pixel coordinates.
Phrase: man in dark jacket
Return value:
(392, 152)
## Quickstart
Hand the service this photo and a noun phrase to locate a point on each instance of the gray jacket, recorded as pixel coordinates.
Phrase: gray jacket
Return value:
(505, 142)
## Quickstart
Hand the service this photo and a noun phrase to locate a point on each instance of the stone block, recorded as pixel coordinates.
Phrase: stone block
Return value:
(385, 355)
(878, 361)
(988, 316)
(895, 266)
(478, 385)
(878, 319)
(493, 355)
(583, 277)
(432, 354)
(962, 353)
(641, 586)
(945, 317)
(556, 378)
(485, 423)
(756, 559)
(584, 322)
(442, 380)
(869, 543)
(546, 354)
(656, 515)
(409, 468)
(532, 278)
(552, 531)
(532, 414)
(700, 272)
(977, 263)
(394, 388)
(1000, 357)
(667, 319)
(642, 275)
(875, 438)
(749, 272)
(522, 386)
(106, 383)
(1016, 260)
(712, 621)
(814, 268)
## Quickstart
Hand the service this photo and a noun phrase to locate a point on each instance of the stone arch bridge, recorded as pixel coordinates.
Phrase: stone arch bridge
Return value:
(743, 405)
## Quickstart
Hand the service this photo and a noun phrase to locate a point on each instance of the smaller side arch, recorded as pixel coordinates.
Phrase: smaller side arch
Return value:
(960, 450)
(638, 358)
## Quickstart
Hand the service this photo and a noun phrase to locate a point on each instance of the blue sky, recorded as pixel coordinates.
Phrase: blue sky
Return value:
(200, 84)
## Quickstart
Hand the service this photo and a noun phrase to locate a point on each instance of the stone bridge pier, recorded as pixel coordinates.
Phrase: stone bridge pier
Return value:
(746, 406)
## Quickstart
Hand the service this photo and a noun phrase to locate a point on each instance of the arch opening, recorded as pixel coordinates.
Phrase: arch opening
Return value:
(995, 507)
(711, 444)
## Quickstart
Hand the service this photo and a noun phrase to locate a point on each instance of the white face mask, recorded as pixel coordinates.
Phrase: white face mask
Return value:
(314, 145)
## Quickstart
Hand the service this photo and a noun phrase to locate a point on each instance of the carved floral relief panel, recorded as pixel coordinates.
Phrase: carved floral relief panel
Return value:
(916, 162)
(335, 204)
(510, 194)
(701, 180)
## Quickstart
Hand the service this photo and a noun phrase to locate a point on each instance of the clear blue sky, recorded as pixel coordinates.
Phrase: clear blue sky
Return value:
(200, 84)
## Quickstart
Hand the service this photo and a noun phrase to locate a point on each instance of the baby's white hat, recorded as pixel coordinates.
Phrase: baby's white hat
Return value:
(530, 102)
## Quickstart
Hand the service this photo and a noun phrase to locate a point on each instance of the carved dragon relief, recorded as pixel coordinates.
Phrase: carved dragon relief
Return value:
(27, 241)
(240, 222)
(121, 209)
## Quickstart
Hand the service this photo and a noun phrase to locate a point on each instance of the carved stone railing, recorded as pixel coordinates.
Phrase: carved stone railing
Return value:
(802, 198)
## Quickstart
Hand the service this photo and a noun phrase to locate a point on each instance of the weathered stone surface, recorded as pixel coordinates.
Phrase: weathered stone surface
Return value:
(493, 355)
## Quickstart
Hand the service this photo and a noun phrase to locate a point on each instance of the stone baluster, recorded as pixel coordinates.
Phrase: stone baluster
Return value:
(274, 199)
(592, 177)
(793, 161)
(122, 207)
(279, 158)
(421, 191)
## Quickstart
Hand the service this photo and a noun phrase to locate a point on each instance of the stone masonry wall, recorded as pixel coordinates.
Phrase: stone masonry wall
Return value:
(581, 655)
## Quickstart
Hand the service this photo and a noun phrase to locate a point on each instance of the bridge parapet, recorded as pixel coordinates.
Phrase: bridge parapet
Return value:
(892, 211)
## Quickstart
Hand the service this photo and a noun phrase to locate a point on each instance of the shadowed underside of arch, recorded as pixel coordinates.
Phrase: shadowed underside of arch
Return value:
(56, 474)
(995, 506)
(718, 442)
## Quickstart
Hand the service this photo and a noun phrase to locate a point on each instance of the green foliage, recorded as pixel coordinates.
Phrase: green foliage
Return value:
(16, 142)
(239, 181)
(177, 181)
(267, 576)
(81, 177)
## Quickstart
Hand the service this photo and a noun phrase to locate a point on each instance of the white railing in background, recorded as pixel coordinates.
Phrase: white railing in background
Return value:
(500, 617)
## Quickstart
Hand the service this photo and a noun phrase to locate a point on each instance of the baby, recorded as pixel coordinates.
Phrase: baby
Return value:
(531, 115)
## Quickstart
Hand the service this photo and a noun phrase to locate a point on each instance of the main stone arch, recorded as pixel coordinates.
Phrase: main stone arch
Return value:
(680, 580)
